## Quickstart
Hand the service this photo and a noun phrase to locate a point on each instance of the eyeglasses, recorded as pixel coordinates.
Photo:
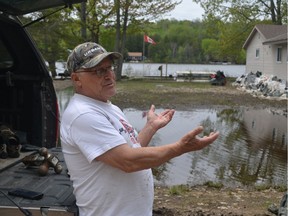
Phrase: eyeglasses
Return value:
(100, 72)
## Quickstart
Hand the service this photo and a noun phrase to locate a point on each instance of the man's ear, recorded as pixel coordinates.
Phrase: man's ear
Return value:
(76, 79)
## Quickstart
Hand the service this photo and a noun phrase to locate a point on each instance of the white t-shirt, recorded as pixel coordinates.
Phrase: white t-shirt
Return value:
(89, 128)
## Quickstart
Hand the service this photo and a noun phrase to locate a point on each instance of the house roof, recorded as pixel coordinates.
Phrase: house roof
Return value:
(277, 40)
(271, 33)
(134, 54)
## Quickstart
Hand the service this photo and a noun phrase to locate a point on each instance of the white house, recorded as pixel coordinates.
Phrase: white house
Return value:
(134, 56)
(266, 50)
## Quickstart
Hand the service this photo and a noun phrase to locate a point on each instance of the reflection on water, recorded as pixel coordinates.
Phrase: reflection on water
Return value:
(251, 149)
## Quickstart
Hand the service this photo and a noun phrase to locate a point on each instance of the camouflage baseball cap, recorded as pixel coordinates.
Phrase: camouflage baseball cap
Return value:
(88, 55)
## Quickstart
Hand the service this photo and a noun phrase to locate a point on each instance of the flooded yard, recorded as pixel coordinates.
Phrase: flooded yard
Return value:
(251, 149)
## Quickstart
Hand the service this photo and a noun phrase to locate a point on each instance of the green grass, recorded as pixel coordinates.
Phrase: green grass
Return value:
(152, 83)
(216, 185)
(178, 190)
(280, 188)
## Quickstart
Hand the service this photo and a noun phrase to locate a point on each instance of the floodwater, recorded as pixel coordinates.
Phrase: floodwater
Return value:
(251, 149)
(152, 69)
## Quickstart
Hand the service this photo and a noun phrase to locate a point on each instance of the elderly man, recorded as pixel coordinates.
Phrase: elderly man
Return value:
(108, 161)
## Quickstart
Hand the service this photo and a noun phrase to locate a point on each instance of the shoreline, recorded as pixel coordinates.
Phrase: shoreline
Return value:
(208, 201)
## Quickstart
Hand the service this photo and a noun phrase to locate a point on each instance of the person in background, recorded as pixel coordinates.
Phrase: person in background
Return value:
(110, 163)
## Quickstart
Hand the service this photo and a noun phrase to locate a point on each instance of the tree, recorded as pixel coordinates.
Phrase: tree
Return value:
(52, 35)
(83, 20)
(275, 10)
(94, 14)
(231, 40)
(120, 15)
(181, 39)
(230, 22)
(210, 48)
(136, 13)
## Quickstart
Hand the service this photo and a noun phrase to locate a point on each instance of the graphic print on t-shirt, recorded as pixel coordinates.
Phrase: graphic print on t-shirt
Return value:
(127, 128)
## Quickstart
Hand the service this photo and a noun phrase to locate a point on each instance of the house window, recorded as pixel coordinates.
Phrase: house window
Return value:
(257, 53)
(279, 54)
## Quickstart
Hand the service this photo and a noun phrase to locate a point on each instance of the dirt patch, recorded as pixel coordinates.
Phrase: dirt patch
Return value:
(183, 96)
(198, 200)
(204, 201)
(187, 96)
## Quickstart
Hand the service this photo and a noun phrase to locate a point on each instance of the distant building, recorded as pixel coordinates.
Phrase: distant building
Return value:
(134, 56)
(266, 50)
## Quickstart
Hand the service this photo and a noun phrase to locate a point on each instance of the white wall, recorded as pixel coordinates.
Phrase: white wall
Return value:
(254, 64)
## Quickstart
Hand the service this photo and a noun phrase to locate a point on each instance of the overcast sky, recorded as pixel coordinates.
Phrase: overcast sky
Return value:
(187, 10)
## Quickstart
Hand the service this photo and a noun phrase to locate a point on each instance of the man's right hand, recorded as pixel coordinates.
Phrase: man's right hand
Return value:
(192, 142)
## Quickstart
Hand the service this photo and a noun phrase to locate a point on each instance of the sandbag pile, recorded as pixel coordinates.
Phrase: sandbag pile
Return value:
(259, 85)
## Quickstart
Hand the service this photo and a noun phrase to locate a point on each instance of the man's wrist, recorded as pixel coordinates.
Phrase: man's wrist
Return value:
(151, 127)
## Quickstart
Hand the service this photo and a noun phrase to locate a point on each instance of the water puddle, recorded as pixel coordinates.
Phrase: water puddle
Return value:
(251, 149)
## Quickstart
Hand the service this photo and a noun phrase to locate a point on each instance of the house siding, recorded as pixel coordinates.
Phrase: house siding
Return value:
(254, 64)
(278, 67)
(268, 60)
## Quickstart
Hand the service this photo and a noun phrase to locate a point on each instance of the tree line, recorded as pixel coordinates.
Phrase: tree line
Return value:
(120, 26)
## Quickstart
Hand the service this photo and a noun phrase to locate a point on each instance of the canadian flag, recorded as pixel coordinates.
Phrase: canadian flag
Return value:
(149, 40)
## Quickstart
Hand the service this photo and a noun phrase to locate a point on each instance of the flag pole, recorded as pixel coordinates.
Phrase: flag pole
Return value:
(143, 55)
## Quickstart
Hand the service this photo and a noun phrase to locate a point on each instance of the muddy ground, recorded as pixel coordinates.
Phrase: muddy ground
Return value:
(184, 96)
(200, 200)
